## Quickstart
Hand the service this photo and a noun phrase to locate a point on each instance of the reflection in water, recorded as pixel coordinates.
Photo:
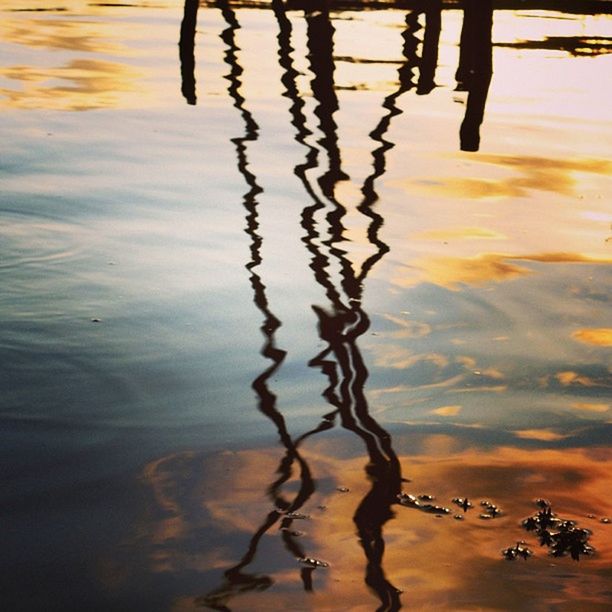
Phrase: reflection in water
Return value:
(341, 360)
(80, 84)
(574, 45)
(345, 322)
(285, 511)
(186, 50)
(340, 329)
(227, 521)
(475, 68)
(473, 74)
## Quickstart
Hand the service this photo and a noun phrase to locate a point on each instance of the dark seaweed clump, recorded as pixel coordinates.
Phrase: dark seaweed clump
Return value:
(560, 535)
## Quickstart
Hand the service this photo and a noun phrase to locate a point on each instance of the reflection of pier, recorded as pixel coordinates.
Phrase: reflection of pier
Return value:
(473, 74)
(186, 50)
(344, 321)
(475, 68)
(341, 327)
(582, 7)
(237, 581)
(341, 361)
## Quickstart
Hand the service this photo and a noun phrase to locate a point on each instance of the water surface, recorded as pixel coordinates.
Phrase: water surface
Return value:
(266, 272)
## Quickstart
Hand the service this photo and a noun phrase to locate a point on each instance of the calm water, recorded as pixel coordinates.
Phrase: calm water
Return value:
(261, 287)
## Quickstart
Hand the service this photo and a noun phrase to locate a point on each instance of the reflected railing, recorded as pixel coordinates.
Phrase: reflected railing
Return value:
(341, 361)
(473, 75)
(285, 510)
(344, 322)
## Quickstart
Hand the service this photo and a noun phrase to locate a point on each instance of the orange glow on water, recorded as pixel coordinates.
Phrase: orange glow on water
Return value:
(597, 337)
(434, 561)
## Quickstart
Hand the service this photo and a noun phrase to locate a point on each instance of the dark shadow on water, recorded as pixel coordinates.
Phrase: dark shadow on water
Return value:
(341, 327)
(577, 46)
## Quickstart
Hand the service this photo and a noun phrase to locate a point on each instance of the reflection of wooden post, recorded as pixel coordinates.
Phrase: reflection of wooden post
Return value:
(320, 43)
(431, 41)
(186, 50)
(475, 67)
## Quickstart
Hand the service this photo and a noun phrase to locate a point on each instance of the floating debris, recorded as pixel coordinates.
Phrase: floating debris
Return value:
(458, 517)
(297, 515)
(604, 520)
(434, 509)
(463, 502)
(342, 489)
(519, 550)
(96, 320)
(311, 562)
(491, 510)
(407, 500)
(293, 532)
(560, 535)
(410, 501)
(322, 507)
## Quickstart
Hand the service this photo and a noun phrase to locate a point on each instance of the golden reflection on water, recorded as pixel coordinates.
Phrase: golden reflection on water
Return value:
(453, 410)
(452, 272)
(82, 84)
(591, 407)
(598, 337)
(569, 378)
(436, 562)
(529, 173)
(83, 62)
(62, 33)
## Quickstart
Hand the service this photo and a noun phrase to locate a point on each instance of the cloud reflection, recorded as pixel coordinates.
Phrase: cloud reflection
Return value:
(67, 34)
(591, 407)
(529, 173)
(447, 411)
(543, 435)
(433, 561)
(598, 337)
(81, 84)
(451, 272)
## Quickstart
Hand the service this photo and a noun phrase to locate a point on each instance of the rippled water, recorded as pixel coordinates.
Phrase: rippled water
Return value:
(262, 286)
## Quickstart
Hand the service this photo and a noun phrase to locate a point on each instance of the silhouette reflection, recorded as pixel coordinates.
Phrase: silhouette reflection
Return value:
(473, 74)
(285, 510)
(431, 42)
(343, 320)
(341, 360)
(341, 327)
(475, 68)
(186, 50)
